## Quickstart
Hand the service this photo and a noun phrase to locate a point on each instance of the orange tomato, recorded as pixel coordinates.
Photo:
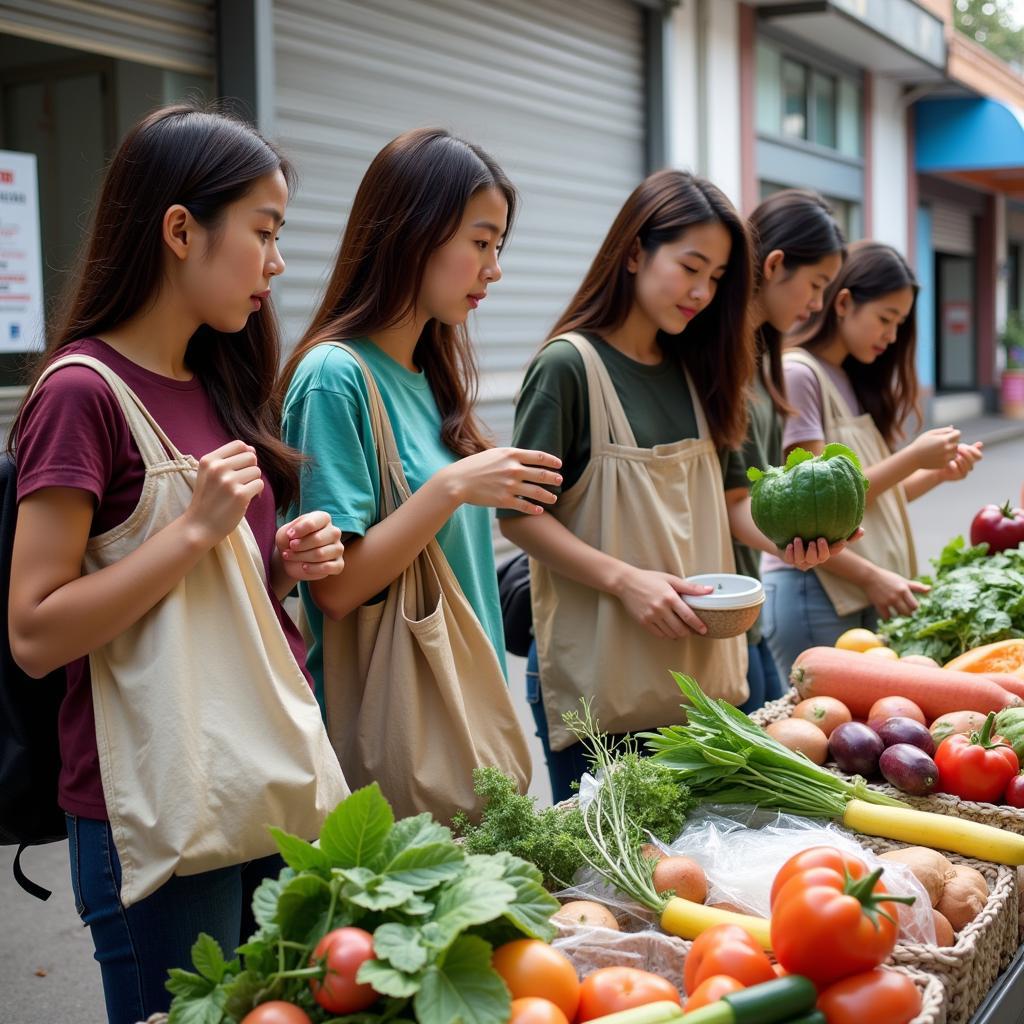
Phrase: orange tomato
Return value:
(710, 990)
(730, 950)
(610, 989)
(530, 967)
(534, 1010)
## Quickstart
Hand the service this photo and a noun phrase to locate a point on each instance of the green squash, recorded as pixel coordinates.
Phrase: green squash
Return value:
(810, 497)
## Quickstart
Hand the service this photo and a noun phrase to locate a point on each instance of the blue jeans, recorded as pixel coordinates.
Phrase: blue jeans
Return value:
(762, 677)
(137, 945)
(803, 616)
(564, 766)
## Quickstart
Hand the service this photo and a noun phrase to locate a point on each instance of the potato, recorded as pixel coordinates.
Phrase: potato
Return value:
(733, 908)
(920, 659)
(944, 934)
(824, 712)
(802, 737)
(651, 852)
(682, 875)
(963, 896)
(587, 914)
(930, 868)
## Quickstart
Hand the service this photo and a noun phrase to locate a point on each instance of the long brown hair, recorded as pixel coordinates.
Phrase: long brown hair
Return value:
(886, 388)
(205, 162)
(410, 202)
(800, 224)
(718, 346)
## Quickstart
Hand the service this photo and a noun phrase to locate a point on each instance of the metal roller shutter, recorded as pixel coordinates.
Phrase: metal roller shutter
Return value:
(174, 34)
(554, 92)
(952, 230)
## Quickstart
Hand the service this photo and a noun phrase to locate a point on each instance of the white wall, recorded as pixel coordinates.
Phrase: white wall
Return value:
(889, 166)
(703, 101)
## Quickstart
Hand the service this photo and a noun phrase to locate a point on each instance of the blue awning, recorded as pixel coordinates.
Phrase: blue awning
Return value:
(968, 134)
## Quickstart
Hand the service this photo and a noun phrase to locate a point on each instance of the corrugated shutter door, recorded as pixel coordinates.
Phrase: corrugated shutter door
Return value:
(553, 91)
(175, 34)
(952, 230)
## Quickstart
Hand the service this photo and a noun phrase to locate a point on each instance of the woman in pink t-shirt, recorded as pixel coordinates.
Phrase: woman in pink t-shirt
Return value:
(172, 296)
(856, 370)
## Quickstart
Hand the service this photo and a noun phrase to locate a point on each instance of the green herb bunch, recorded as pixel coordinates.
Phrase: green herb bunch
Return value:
(435, 912)
(556, 839)
(976, 599)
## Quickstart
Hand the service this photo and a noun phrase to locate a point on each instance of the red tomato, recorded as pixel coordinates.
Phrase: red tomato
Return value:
(530, 967)
(1014, 795)
(817, 857)
(610, 989)
(826, 925)
(276, 1012)
(343, 952)
(878, 997)
(998, 526)
(726, 949)
(534, 1010)
(710, 990)
(976, 767)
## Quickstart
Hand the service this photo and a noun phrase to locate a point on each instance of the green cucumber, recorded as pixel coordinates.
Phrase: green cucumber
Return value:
(817, 1017)
(773, 1002)
(661, 1012)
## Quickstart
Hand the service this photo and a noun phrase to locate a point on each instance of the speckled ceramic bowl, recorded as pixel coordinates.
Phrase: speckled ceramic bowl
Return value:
(732, 607)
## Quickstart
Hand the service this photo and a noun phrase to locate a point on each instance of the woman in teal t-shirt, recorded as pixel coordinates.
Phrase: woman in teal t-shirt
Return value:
(419, 252)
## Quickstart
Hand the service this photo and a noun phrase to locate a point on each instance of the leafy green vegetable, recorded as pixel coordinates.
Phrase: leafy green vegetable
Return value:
(975, 599)
(725, 758)
(434, 910)
(556, 839)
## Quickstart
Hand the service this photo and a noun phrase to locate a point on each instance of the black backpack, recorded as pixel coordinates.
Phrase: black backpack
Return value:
(29, 751)
(516, 612)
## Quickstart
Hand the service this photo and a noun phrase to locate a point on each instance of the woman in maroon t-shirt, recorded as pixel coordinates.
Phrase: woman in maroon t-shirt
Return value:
(172, 295)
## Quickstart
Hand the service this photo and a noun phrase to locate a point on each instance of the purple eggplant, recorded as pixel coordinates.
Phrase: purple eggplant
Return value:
(855, 748)
(906, 730)
(909, 769)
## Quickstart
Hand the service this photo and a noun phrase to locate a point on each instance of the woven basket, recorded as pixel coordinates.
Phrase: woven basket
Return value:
(933, 996)
(1009, 818)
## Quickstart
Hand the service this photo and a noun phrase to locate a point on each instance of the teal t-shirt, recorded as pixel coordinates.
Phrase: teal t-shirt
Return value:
(326, 417)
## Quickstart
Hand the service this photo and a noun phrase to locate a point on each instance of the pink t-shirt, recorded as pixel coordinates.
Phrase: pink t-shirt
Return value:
(74, 434)
(804, 395)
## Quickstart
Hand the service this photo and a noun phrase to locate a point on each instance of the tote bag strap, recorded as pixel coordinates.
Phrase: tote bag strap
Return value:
(389, 462)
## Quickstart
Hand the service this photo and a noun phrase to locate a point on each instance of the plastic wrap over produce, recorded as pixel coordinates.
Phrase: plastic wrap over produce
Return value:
(741, 849)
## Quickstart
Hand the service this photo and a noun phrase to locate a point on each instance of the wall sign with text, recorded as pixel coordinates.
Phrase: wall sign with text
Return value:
(21, 265)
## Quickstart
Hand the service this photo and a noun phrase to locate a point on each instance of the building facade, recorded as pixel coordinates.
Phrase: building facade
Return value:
(867, 101)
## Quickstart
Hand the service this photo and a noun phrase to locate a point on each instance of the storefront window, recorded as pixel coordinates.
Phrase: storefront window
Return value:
(850, 133)
(848, 214)
(769, 89)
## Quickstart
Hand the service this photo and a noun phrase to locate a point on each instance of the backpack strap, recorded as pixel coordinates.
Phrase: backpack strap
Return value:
(32, 888)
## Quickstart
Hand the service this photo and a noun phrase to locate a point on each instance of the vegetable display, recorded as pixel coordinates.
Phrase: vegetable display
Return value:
(435, 914)
(976, 599)
(810, 496)
(726, 758)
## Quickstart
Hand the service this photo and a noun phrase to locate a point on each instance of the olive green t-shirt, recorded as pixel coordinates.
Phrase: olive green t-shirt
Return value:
(762, 448)
(553, 412)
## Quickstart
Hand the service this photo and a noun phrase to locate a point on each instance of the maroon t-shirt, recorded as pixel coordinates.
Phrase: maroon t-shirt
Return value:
(74, 434)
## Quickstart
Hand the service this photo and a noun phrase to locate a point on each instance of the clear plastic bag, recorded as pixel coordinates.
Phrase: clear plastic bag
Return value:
(741, 849)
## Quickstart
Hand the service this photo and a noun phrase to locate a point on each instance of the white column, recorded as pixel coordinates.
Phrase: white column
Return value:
(889, 165)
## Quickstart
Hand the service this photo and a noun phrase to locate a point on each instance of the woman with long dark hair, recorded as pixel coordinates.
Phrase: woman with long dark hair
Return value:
(419, 253)
(148, 561)
(798, 250)
(641, 386)
(851, 378)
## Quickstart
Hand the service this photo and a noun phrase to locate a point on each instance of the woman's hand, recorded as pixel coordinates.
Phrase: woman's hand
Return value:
(229, 478)
(652, 598)
(966, 458)
(935, 449)
(889, 591)
(310, 547)
(504, 478)
(817, 552)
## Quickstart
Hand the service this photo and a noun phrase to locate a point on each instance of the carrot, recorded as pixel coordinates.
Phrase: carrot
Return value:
(1012, 684)
(858, 681)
